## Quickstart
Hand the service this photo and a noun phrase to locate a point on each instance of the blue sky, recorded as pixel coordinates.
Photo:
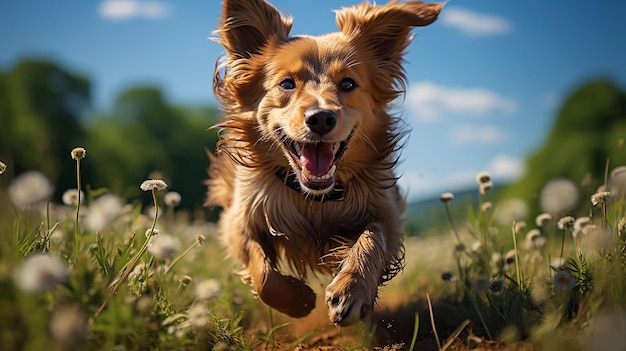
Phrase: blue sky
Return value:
(485, 80)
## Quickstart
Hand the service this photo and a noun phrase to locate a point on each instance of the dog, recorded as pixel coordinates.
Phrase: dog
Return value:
(304, 164)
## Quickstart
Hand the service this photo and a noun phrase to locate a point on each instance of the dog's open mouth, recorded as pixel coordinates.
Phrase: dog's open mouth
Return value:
(317, 162)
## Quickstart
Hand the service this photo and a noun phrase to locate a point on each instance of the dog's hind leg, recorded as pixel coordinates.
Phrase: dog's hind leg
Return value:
(352, 292)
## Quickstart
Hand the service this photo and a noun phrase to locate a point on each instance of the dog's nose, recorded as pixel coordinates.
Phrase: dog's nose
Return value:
(321, 121)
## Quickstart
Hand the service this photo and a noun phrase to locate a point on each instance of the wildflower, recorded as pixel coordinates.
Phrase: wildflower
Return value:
(3, 167)
(68, 326)
(485, 206)
(137, 271)
(151, 232)
(185, 280)
(41, 272)
(459, 248)
(558, 195)
(198, 316)
(446, 197)
(542, 219)
(78, 153)
(483, 177)
(476, 247)
(534, 239)
(481, 285)
(511, 210)
(70, 197)
(596, 239)
(600, 198)
(520, 226)
(563, 281)
(207, 289)
(200, 239)
(103, 211)
(579, 224)
(163, 246)
(30, 189)
(497, 260)
(172, 199)
(485, 187)
(566, 222)
(496, 285)
(153, 184)
(557, 262)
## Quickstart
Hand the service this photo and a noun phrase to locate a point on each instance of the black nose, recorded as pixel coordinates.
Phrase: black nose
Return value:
(321, 121)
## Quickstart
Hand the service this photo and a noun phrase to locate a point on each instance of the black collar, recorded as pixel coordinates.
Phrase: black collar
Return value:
(289, 178)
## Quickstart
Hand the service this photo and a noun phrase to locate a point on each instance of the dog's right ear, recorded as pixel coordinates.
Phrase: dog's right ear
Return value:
(247, 26)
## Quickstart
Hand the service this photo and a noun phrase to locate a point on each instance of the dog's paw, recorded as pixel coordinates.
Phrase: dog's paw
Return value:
(288, 295)
(347, 300)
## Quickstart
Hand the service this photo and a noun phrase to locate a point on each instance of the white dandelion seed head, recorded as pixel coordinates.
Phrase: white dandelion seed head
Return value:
(566, 222)
(41, 272)
(207, 289)
(3, 167)
(68, 326)
(163, 246)
(483, 177)
(600, 198)
(78, 153)
(511, 210)
(30, 189)
(446, 197)
(617, 182)
(558, 196)
(172, 199)
(103, 211)
(70, 197)
(198, 316)
(153, 184)
(543, 219)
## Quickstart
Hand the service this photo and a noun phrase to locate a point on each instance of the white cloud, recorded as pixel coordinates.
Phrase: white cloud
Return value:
(127, 9)
(429, 101)
(475, 24)
(505, 168)
(484, 135)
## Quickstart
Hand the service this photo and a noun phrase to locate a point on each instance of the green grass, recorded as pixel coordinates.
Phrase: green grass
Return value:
(115, 290)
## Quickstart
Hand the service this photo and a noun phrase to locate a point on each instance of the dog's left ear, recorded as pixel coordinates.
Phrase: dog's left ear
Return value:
(383, 31)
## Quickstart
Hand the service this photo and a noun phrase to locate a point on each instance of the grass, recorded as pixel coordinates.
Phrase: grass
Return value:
(69, 281)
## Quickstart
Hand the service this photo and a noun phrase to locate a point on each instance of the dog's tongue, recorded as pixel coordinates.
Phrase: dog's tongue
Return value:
(317, 158)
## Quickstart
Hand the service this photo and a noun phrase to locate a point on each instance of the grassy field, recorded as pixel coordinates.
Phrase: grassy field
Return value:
(98, 273)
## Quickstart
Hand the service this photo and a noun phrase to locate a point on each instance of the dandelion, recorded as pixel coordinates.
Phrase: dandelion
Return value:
(172, 199)
(520, 226)
(563, 282)
(153, 184)
(68, 326)
(446, 197)
(483, 177)
(207, 289)
(164, 246)
(534, 239)
(41, 272)
(3, 167)
(30, 189)
(617, 182)
(566, 222)
(600, 198)
(558, 196)
(70, 197)
(557, 262)
(476, 247)
(200, 239)
(497, 260)
(579, 224)
(103, 211)
(486, 206)
(198, 316)
(78, 153)
(481, 285)
(511, 210)
(185, 280)
(543, 219)
(138, 271)
(485, 187)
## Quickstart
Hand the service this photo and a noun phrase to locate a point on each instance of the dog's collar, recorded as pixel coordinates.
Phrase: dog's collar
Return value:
(289, 178)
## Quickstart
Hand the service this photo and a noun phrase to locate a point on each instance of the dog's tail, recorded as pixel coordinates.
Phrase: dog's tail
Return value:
(220, 183)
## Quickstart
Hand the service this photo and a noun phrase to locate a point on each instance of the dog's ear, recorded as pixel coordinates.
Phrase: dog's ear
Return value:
(383, 32)
(247, 26)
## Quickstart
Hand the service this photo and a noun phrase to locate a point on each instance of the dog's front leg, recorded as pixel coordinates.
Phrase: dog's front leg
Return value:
(352, 292)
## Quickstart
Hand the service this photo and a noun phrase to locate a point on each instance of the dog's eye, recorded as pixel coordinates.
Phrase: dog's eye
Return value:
(347, 84)
(287, 84)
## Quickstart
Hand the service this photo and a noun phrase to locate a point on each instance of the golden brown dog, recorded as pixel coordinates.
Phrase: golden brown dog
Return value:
(304, 167)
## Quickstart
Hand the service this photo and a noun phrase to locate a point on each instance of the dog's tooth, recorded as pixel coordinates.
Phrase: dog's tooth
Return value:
(296, 147)
(331, 171)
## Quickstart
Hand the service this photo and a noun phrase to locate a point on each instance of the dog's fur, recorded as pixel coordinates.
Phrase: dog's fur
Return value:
(304, 167)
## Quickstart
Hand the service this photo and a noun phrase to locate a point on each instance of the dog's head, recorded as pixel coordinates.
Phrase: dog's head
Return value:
(313, 96)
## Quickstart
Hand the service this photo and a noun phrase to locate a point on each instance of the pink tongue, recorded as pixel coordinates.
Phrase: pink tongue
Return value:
(317, 158)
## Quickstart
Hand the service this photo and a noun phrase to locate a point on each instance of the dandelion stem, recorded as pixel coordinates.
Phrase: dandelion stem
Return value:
(134, 261)
(517, 267)
(183, 254)
(432, 321)
(76, 228)
(449, 215)
(482, 320)
(416, 328)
